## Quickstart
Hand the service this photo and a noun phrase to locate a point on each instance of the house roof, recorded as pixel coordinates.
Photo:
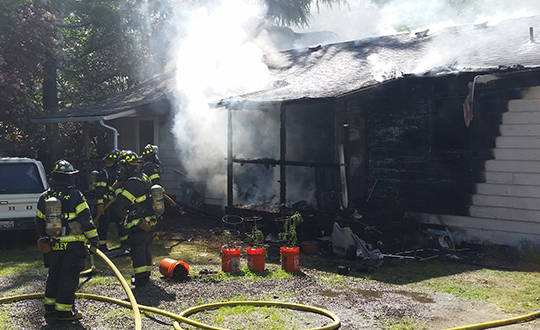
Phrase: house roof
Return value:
(130, 102)
(336, 69)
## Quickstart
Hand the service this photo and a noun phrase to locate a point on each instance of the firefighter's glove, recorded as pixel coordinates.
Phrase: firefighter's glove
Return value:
(144, 225)
(44, 244)
(93, 245)
(101, 209)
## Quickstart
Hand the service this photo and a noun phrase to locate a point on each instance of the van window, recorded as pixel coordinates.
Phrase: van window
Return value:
(20, 178)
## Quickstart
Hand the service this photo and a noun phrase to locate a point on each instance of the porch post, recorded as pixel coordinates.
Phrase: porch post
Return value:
(282, 155)
(229, 160)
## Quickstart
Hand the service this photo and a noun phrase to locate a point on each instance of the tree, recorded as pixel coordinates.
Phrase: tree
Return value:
(286, 12)
(25, 43)
(59, 53)
(56, 53)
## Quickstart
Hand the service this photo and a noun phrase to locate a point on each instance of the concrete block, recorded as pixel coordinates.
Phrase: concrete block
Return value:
(531, 93)
(506, 213)
(498, 177)
(521, 117)
(519, 130)
(506, 201)
(495, 230)
(524, 105)
(508, 190)
(530, 179)
(514, 166)
(526, 179)
(517, 142)
(516, 154)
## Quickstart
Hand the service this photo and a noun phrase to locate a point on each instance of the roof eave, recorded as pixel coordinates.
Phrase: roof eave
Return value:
(67, 119)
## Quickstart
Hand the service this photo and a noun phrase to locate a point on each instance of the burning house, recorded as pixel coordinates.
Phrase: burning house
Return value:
(438, 126)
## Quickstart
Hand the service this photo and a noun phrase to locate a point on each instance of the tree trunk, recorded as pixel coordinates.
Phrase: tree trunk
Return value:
(50, 105)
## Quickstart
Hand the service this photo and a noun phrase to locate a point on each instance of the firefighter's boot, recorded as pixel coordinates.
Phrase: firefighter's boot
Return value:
(139, 281)
(68, 315)
(49, 311)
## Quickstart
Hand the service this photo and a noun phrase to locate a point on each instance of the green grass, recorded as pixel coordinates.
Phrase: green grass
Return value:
(5, 320)
(20, 261)
(118, 312)
(405, 323)
(252, 317)
(514, 291)
(335, 280)
(105, 280)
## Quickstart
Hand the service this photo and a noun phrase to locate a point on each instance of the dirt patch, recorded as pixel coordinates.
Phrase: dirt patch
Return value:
(360, 301)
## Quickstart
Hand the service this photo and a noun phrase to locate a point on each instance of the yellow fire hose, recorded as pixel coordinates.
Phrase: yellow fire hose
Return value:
(183, 316)
(499, 323)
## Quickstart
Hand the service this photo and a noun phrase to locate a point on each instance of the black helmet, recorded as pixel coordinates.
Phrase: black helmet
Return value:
(63, 167)
(130, 158)
(113, 156)
(149, 150)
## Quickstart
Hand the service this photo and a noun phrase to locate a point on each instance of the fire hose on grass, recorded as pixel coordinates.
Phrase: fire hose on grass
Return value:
(183, 316)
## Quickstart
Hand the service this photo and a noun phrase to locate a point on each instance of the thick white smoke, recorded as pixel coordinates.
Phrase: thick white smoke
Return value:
(215, 57)
(367, 18)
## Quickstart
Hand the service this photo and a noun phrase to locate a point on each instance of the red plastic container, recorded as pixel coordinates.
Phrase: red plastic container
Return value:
(174, 268)
(290, 258)
(230, 260)
(255, 259)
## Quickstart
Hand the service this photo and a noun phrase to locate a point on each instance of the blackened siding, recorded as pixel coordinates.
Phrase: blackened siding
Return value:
(417, 147)
(418, 153)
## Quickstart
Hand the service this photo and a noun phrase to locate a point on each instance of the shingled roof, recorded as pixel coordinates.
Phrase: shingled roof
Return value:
(333, 70)
(336, 69)
(133, 101)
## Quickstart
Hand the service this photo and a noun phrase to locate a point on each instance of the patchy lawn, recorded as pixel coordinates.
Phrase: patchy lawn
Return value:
(400, 295)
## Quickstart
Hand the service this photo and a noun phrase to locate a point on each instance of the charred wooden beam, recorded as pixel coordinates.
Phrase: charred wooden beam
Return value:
(282, 154)
(229, 160)
(275, 162)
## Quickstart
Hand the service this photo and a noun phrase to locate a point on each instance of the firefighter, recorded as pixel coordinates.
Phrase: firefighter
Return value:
(104, 194)
(133, 198)
(64, 223)
(151, 163)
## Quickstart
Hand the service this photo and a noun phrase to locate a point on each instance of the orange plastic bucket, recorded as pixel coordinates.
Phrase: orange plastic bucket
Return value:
(176, 269)
(230, 260)
(290, 258)
(255, 259)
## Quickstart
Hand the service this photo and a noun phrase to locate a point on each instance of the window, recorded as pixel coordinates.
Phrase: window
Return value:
(20, 178)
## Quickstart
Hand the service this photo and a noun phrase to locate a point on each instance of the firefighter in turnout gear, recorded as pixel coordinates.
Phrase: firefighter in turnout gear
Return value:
(104, 194)
(64, 224)
(151, 163)
(133, 198)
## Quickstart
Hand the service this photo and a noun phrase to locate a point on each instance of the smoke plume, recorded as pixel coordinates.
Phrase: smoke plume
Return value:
(216, 57)
(217, 49)
(360, 19)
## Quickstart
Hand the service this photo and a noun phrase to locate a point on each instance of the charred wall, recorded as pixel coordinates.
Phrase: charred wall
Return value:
(416, 154)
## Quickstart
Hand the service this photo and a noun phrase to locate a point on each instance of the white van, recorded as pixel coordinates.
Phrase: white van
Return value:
(22, 180)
